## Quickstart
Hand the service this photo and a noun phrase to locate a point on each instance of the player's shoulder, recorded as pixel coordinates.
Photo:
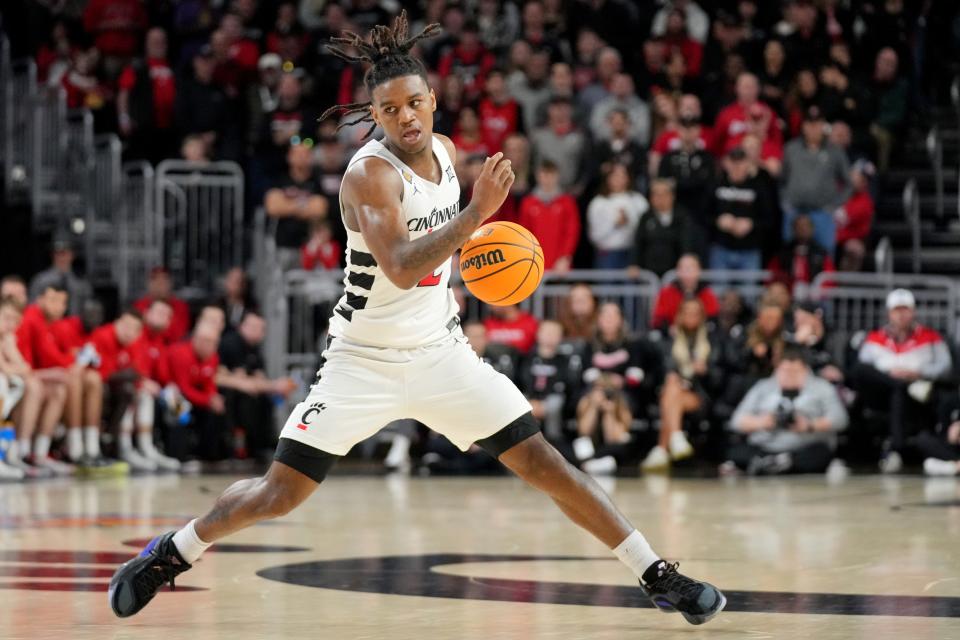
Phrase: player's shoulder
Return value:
(448, 145)
(370, 173)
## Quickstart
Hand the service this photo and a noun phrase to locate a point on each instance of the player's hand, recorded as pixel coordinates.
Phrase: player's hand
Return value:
(492, 185)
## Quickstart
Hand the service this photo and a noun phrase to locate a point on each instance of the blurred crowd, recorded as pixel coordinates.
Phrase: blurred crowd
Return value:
(646, 135)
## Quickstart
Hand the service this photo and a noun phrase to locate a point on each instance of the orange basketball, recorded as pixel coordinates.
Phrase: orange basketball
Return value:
(501, 263)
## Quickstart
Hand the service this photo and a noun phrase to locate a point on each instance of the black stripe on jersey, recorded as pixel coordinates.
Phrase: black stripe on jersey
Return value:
(362, 259)
(362, 280)
(356, 302)
(343, 311)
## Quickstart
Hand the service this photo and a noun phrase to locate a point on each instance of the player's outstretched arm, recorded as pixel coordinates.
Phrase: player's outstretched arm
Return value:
(371, 196)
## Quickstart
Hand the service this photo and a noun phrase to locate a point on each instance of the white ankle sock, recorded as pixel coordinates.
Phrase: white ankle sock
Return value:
(42, 448)
(124, 442)
(23, 447)
(635, 552)
(145, 443)
(189, 544)
(74, 444)
(91, 441)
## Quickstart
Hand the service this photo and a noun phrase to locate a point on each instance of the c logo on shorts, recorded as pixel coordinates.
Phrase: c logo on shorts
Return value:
(305, 419)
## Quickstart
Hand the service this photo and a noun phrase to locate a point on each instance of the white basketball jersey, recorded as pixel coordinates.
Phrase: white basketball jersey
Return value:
(373, 311)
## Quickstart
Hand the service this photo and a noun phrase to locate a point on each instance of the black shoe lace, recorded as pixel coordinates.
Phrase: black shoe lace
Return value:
(675, 581)
(162, 572)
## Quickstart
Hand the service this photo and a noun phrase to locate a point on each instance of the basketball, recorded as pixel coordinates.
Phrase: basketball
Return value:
(501, 263)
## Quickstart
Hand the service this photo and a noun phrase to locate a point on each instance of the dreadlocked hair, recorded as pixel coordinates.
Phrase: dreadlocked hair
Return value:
(388, 53)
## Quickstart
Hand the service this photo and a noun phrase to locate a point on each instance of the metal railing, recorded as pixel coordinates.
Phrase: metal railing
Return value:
(934, 144)
(201, 206)
(139, 230)
(883, 256)
(749, 284)
(103, 211)
(635, 295)
(19, 92)
(911, 213)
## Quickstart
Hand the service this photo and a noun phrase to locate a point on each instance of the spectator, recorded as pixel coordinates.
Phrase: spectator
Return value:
(248, 392)
(288, 38)
(741, 209)
(753, 355)
(890, 94)
(552, 217)
(295, 202)
(262, 95)
(13, 287)
(512, 327)
(802, 259)
(603, 426)
(733, 316)
(619, 147)
(608, 65)
(34, 400)
(680, 45)
(61, 273)
(897, 366)
(774, 77)
(810, 335)
(940, 446)
(72, 333)
(612, 218)
(578, 313)
(467, 136)
(663, 233)
(193, 369)
(146, 101)
(152, 357)
(468, 59)
(790, 421)
(855, 218)
(561, 85)
(499, 113)
(516, 149)
(117, 27)
(502, 357)
(692, 170)
(241, 51)
(160, 287)
(237, 299)
(322, 251)
(767, 152)
(686, 286)
(563, 144)
(697, 21)
(547, 378)
(693, 374)
(622, 96)
(688, 110)
(732, 121)
(289, 124)
(201, 107)
(529, 86)
(815, 181)
(499, 24)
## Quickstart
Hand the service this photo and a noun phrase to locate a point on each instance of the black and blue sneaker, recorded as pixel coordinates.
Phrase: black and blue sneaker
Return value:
(670, 591)
(136, 581)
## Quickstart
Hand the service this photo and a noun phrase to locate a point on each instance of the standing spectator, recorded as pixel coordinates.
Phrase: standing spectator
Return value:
(564, 145)
(193, 369)
(145, 101)
(802, 259)
(697, 20)
(609, 63)
(516, 149)
(686, 286)
(552, 217)
(688, 110)
(741, 212)
(499, 113)
(619, 147)
(547, 379)
(294, 203)
(680, 45)
(61, 273)
(612, 218)
(731, 124)
(897, 367)
(117, 27)
(622, 96)
(529, 86)
(775, 75)
(663, 233)
(201, 107)
(160, 287)
(467, 136)
(855, 218)
(286, 125)
(691, 168)
(468, 59)
(261, 97)
(815, 181)
(790, 421)
(890, 94)
(512, 327)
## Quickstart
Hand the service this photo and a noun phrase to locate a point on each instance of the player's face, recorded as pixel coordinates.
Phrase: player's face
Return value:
(404, 108)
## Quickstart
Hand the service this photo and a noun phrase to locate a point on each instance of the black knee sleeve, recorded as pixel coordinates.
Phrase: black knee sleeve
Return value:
(510, 436)
(311, 462)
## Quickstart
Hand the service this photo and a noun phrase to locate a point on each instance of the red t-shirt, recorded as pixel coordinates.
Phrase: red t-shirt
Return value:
(195, 378)
(113, 355)
(731, 126)
(164, 90)
(321, 256)
(519, 333)
(70, 335)
(151, 357)
(556, 224)
(859, 210)
(669, 141)
(668, 304)
(37, 343)
(116, 25)
(179, 325)
(497, 121)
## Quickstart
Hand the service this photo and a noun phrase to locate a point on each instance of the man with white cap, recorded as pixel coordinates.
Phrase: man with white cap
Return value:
(898, 364)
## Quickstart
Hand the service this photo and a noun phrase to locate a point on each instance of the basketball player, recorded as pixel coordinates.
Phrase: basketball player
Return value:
(396, 349)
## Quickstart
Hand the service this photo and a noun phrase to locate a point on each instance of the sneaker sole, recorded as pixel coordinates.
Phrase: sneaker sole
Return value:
(120, 593)
(701, 619)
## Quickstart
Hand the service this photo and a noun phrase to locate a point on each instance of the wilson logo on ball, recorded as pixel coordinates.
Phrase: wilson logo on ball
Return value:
(481, 260)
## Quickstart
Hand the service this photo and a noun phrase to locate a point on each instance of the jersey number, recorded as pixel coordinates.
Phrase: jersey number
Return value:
(432, 280)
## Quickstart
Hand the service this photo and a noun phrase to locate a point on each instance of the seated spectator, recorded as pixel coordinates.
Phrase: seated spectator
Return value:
(940, 446)
(546, 379)
(72, 334)
(160, 287)
(193, 369)
(61, 273)
(802, 259)
(790, 421)
(613, 216)
(855, 218)
(512, 327)
(622, 97)
(15, 288)
(322, 251)
(810, 335)
(890, 93)
(897, 367)
(815, 181)
(603, 426)
(33, 402)
(564, 145)
(551, 215)
(663, 234)
(686, 286)
(237, 299)
(248, 393)
(578, 313)
(619, 147)
(741, 209)
(152, 357)
(753, 355)
(499, 113)
(734, 314)
(145, 101)
(502, 357)
(295, 202)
